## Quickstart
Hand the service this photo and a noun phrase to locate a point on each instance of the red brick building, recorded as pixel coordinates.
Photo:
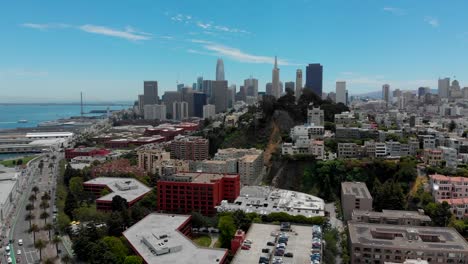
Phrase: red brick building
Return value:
(84, 151)
(190, 148)
(194, 191)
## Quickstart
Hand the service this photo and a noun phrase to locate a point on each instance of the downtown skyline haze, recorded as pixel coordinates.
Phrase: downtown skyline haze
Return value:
(51, 51)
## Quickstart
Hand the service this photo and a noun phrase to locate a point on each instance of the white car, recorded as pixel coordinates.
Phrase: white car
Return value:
(9, 260)
(20, 242)
(7, 248)
(18, 252)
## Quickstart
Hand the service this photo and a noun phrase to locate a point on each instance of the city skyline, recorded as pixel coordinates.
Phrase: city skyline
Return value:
(50, 48)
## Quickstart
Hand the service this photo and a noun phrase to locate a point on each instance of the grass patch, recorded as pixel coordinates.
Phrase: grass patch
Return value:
(217, 244)
(203, 241)
(12, 162)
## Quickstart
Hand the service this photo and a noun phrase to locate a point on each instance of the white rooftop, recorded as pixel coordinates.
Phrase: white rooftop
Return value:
(266, 200)
(49, 134)
(127, 188)
(157, 240)
(7, 183)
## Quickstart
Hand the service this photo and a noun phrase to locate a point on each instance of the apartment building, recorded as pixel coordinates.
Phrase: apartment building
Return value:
(189, 148)
(348, 150)
(354, 196)
(315, 116)
(453, 190)
(450, 156)
(433, 157)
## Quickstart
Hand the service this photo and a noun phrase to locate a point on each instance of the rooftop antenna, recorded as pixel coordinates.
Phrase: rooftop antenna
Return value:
(81, 104)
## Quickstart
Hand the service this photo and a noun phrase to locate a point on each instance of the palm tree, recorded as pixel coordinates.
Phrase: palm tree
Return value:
(49, 261)
(29, 217)
(30, 207)
(40, 245)
(32, 198)
(66, 259)
(35, 189)
(56, 241)
(41, 165)
(44, 215)
(48, 227)
(44, 205)
(45, 196)
(34, 229)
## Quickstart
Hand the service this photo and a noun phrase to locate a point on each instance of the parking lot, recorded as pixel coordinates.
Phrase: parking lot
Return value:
(299, 243)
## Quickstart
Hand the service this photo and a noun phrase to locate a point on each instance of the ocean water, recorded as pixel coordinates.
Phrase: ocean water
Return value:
(37, 113)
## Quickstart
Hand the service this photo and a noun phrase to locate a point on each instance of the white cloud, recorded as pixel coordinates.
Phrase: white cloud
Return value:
(204, 25)
(208, 27)
(128, 33)
(394, 10)
(45, 26)
(434, 22)
(219, 50)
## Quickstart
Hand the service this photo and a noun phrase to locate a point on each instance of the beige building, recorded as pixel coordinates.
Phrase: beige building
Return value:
(250, 168)
(433, 157)
(380, 243)
(348, 150)
(354, 195)
(160, 162)
(392, 217)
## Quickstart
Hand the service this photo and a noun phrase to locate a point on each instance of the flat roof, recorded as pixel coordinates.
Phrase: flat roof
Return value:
(127, 188)
(7, 183)
(199, 177)
(397, 214)
(260, 234)
(266, 200)
(358, 189)
(155, 225)
(50, 134)
(397, 236)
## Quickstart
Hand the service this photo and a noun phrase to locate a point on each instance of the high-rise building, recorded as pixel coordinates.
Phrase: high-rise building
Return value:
(269, 89)
(150, 92)
(155, 112)
(251, 87)
(386, 93)
(169, 98)
(180, 111)
(276, 88)
(209, 111)
(200, 84)
(314, 78)
(208, 88)
(289, 85)
(298, 91)
(231, 99)
(422, 91)
(199, 100)
(220, 95)
(187, 96)
(189, 148)
(180, 86)
(220, 70)
(341, 92)
(444, 87)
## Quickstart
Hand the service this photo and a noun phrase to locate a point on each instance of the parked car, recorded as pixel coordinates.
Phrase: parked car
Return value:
(20, 242)
(269, 243)
(245, 247)
(265, 250)
(263, 260)
(18, 252)
(289, 255)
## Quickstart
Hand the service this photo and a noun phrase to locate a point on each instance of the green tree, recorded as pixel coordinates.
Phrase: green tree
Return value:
(439, 212)
(452, 125)
(40, 245)
(119, 204)
(66, 259)
(133, 260)
(227, 230)
(117, 248)
(76, 187)
(32, 198)
(34, 229)
(44, 205)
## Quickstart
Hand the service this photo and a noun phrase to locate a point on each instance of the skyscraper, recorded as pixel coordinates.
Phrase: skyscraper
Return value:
(386, 93)
(269, 89)
(444, 86)
(199, 100)
(314, 78)
(298, 91)
(150, 92)
(169, 98)
(276, 89)
(220, 70)
(341, 92)
(251, 87)
(180, 110)
(207, 87)
(200, 84)
(220, 95)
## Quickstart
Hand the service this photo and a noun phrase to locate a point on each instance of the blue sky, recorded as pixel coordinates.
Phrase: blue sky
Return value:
(52, 50)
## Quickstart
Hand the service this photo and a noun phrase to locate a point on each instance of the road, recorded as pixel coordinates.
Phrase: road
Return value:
(45, 180)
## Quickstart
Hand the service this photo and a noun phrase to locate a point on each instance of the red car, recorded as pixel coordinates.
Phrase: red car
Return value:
(245, 247)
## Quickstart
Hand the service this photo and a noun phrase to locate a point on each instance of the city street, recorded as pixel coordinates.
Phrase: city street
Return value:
(46, 182)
